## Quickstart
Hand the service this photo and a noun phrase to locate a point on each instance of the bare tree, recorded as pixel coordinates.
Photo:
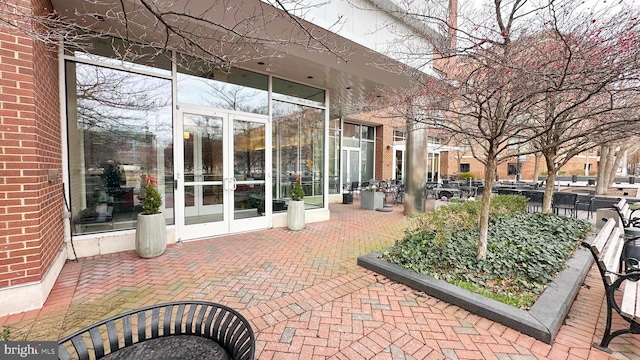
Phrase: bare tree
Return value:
(586, 72)
(221, 34)
(497, 91)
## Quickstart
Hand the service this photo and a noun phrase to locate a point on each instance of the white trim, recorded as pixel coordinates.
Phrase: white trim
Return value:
(325, 152)
(311, 216)
(119, 67)
(25, 297)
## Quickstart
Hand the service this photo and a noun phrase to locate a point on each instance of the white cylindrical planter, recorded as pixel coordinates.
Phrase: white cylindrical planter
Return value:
(151, 235)
(295, 215)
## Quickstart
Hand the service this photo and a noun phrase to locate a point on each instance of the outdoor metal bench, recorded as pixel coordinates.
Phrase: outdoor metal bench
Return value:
(606, 250)
(177, 330)
(626, 214)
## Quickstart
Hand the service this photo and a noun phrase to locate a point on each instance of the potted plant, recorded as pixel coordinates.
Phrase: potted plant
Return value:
(151, 232)
(372, 197)
(295, 210)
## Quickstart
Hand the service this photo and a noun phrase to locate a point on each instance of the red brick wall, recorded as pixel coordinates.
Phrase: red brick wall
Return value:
(384, 156)
(31, 228)
(384, 124)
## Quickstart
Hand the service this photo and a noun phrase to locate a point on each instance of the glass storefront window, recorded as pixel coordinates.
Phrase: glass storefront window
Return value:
(298, 148)
(368, 161)
(368, 132)
(350, 135)
(238, 90)
(131, 56)
(119, 132)
(294, 92)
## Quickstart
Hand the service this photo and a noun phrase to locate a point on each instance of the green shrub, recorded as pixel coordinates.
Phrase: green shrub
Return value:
(466, 176)
(465, 215)
(524, 251)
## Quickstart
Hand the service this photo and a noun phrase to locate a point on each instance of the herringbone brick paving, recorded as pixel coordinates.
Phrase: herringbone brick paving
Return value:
(307, 299)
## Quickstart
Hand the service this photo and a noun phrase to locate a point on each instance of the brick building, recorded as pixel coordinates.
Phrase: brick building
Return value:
(70, 116)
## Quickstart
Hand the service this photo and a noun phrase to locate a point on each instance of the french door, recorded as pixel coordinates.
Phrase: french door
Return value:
(351, 166)
(223, 173)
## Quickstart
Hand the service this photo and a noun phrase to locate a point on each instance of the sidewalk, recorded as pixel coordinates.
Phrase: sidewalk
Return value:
(307, 299)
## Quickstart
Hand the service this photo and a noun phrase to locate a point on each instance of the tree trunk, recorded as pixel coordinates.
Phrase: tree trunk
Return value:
(548, 190)
(606, 168)
(612, 166)
(489, 174)
(601, 179)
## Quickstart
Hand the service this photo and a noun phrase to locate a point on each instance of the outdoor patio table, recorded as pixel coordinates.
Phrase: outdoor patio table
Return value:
(175, 347)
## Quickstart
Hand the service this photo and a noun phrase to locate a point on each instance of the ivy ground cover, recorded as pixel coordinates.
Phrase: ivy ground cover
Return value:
(525, 251)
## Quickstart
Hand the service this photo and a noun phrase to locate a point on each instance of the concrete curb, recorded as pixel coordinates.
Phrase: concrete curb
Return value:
(542, 322)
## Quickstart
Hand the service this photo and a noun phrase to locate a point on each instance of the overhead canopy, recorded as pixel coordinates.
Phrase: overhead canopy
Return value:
(251, 35)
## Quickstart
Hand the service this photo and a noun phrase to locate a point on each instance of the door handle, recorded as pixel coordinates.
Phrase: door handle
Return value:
(235, 184)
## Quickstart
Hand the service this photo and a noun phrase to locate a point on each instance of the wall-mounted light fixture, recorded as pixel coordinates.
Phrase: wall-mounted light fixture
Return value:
(388, 147)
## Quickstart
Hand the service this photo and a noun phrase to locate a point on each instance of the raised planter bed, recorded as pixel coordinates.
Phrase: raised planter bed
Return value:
(542, 322)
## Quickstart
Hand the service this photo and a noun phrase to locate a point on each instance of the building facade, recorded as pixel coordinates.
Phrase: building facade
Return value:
(83, 129)
(459, 161)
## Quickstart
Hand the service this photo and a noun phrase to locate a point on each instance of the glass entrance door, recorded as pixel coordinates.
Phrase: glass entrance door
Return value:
(351, 168)
(222, 182)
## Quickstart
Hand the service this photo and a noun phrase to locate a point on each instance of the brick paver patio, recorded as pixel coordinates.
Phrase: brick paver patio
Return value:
(307, 299)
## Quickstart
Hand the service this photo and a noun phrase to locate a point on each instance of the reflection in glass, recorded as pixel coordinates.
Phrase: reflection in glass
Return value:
(350, 135)
(203, 204)
(298, 148)
(238, 90)
(202, 139)
(294, 92)
(203, 145)
(119, 132)
(248, 145)
(249, 168)
(366, 170)
(248, 200)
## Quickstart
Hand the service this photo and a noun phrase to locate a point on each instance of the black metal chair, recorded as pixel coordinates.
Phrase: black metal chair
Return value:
(204, 326)
(429, 189)
(585, 203)
(565, 201)
(398, 195)
(355, 188)
(534, 200)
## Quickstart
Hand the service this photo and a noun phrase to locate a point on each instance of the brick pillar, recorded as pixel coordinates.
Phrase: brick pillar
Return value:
(384, 156)
(31, 225)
